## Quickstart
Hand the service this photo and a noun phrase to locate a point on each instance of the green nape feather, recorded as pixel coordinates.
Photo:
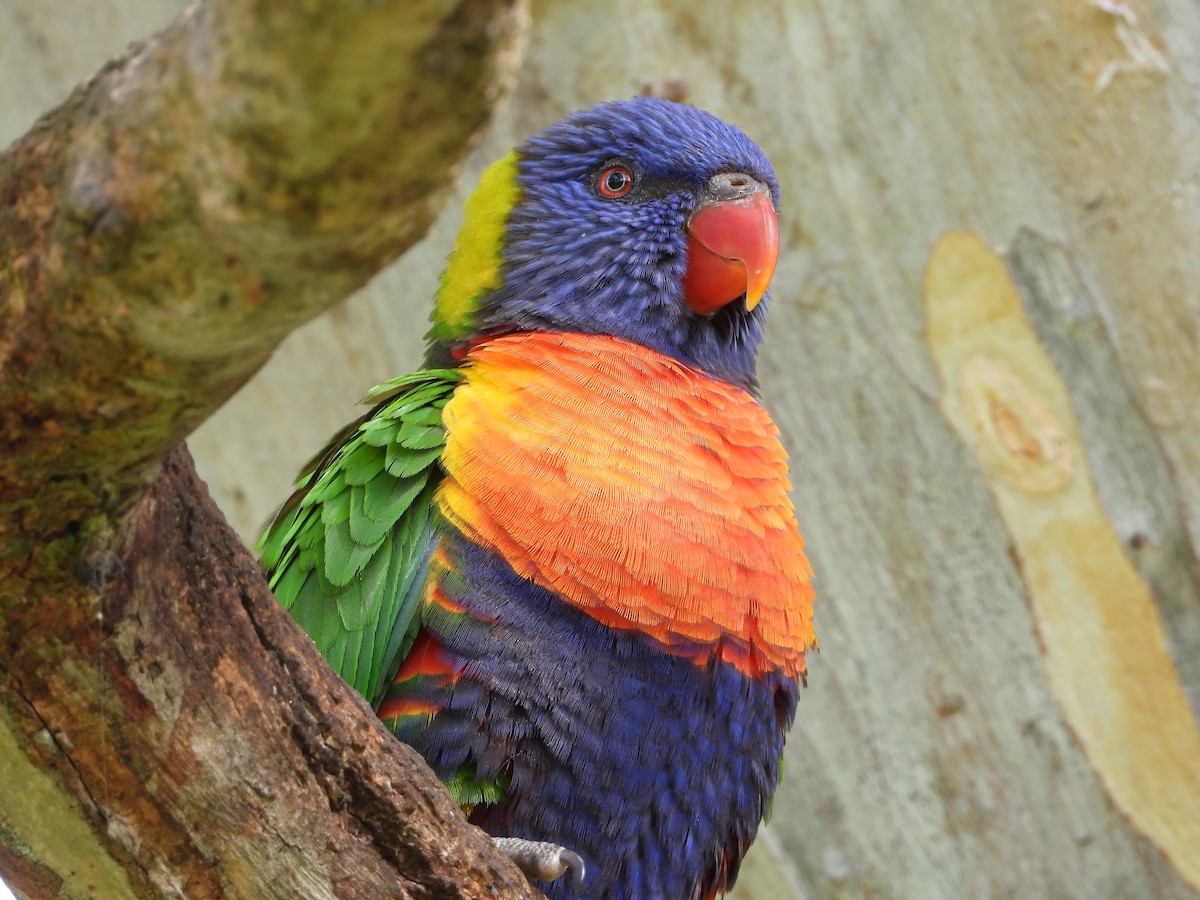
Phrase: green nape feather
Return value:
(347, 554)
(478, 257)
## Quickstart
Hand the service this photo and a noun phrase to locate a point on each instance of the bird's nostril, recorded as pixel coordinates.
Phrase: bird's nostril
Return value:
(731, 185)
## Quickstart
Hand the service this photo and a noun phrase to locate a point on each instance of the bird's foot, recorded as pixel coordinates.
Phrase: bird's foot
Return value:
(541, 861)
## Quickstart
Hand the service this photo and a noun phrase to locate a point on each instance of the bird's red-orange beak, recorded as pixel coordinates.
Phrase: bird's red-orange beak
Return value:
(733, 244)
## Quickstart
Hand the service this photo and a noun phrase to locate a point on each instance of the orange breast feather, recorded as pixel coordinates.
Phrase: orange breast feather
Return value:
(638, 489)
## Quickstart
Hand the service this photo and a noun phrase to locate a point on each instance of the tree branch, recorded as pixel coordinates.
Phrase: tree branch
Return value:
(160, 233)
(226, 181)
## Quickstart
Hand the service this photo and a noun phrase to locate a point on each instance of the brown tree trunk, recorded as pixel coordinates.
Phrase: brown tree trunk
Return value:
(165, 730)
(201, 735)
(982, 352)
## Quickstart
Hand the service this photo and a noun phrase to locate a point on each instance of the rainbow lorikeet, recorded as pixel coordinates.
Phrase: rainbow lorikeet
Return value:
(561, 560)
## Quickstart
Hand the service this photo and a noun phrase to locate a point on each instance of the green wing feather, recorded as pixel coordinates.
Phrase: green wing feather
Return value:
(347, 554)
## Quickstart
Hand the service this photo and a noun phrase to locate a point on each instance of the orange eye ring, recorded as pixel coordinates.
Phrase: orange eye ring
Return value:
(615, 181)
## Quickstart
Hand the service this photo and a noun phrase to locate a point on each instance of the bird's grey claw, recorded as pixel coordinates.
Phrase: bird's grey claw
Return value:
(541, 861)
(573, 862)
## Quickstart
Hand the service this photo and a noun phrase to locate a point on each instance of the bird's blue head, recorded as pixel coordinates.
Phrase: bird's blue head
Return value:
(644, 219)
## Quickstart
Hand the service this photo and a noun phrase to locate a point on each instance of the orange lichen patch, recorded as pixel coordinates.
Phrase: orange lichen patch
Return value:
(1105, 650)
(644, 492)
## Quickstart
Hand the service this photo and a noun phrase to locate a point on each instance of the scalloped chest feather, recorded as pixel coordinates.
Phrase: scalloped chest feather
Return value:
(641, 491)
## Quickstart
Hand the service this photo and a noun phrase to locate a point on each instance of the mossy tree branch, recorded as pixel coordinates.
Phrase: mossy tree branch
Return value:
(160, 233)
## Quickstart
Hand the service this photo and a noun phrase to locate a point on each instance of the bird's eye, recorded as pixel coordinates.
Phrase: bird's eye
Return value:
(615, 181)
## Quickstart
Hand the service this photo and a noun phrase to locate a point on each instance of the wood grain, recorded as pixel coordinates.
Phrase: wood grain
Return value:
(932, 758)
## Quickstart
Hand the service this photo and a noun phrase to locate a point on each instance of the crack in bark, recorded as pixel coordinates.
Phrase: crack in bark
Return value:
(95, 807)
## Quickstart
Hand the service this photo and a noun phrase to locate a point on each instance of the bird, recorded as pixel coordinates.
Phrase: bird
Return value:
(561, 560)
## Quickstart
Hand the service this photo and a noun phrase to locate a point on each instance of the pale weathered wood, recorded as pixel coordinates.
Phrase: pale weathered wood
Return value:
(932, 757)
(1133, 474)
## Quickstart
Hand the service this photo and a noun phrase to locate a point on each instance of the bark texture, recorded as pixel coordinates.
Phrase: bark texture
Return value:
(1002, 512)
(164, 729)
(220, 759)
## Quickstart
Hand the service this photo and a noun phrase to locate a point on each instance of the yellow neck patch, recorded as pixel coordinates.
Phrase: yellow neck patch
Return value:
(474, 266)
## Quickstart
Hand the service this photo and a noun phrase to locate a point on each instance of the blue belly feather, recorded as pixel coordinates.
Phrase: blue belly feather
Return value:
(656, 770)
